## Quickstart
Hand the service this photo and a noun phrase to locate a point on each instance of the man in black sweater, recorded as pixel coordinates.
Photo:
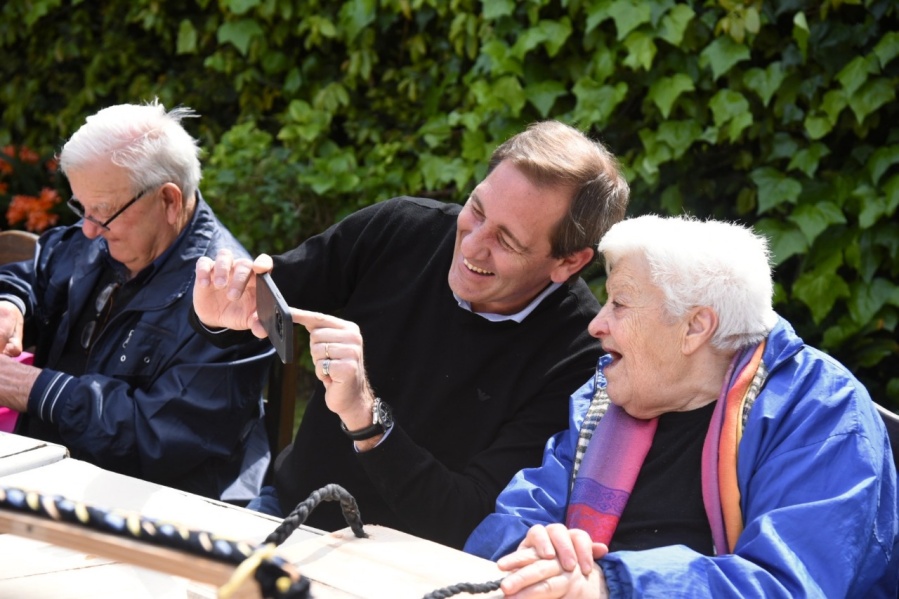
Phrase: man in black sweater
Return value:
(463, 375)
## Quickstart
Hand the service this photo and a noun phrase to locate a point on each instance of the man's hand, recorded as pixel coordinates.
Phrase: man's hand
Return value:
(12, 327)
(347, 391)
(225, 291)
(555, 561)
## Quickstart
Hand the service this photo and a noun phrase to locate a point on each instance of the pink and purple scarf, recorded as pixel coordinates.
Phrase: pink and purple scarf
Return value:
(613, 445)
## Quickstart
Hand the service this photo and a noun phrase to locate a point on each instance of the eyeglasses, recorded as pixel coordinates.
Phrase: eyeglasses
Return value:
(77, 207)
(104, 301)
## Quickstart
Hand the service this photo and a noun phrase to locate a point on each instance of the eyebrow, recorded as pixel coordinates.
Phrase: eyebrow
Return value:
(518, 245)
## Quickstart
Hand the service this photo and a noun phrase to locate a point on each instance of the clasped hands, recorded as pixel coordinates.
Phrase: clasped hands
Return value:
(554, 561)
(225, 296)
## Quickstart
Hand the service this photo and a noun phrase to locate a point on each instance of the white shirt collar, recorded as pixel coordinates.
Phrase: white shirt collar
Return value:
(518, 316)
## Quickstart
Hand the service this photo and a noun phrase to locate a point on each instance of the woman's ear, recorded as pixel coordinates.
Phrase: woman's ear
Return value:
(701, 326)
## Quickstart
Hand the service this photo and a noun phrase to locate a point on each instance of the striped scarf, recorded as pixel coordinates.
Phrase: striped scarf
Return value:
(607, 463)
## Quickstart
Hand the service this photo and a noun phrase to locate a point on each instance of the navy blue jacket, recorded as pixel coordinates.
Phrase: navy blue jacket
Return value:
(158, 401)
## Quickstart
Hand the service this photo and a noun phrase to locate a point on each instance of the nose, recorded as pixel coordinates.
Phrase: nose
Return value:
(474, 242)
(599, 326)
(90, 229)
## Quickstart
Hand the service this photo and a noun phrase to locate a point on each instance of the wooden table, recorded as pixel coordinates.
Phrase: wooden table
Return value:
(19, 453)
(388, 564)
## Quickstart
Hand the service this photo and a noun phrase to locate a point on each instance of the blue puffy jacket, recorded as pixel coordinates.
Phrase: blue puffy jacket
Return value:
(818, 495)
(158, 401)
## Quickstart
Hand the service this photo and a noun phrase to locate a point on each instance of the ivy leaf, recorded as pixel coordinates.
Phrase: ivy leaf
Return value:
(801, 33)
(435, 131)
(814, 219)
(867, 299)
(187, 38)
(543, 94)
(497, 8)
(597, 12)
(239, 7)
(873, 206)
(872, 96)
(765, 82)
(439, 170)
(665, 91)
(891, 191)
(240, 33)
(356, 15)
(819, 289)
(855, 73)
(502, 57)
(783, 146)
(833, 104)
(597, 102)
(817, 125)
(807, 159)
(641, 50)
(556, 34)
(679, 135)
(628, 15)
(784, 239)
(774, 187)
(722, 54)
(675, 23)
(887, 48)
(881, 160)
(731, 107)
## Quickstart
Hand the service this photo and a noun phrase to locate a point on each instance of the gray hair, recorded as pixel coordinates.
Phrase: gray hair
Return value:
(724, 266)
(147, 141)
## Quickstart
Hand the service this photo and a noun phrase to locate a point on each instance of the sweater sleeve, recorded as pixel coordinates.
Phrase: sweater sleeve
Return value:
(535, 495)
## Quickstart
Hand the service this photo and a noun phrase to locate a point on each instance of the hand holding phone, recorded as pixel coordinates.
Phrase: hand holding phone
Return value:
(274, 314)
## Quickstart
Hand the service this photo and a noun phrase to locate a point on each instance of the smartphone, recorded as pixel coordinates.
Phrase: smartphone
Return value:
(275, 316)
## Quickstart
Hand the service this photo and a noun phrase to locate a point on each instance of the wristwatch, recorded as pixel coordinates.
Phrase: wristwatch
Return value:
(381, 422)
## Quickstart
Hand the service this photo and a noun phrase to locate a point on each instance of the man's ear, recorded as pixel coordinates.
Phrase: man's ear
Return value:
(174, 203)
(701, 326)
(569, 265)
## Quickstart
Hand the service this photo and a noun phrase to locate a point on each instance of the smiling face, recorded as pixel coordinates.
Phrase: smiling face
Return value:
(501, 259)
(139, 234)
(650, 374)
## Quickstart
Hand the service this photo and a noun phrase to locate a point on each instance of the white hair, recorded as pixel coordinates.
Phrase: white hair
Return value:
(145, 140)
(721, 265)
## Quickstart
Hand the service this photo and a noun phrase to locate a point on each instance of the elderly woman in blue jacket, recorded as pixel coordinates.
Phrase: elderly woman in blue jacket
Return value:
(713, 454)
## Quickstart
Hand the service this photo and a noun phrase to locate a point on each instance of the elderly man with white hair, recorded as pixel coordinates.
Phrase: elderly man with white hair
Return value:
(119, 376)
(713, 454)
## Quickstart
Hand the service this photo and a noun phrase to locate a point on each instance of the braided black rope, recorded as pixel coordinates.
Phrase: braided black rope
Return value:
(473, 588)
(271, 573)
(301, 512)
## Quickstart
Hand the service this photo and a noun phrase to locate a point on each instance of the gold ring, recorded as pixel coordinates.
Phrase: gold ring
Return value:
(327, 351)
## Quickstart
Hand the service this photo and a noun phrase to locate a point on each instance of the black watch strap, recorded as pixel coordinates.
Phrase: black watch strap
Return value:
(382, 421)
(363, 433)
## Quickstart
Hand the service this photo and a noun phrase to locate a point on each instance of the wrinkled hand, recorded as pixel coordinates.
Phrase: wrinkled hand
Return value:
(12, 327)
(555, 561)
(225, 291)
(339, 343)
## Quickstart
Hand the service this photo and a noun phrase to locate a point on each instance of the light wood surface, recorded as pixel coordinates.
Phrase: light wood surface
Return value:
(37, 565)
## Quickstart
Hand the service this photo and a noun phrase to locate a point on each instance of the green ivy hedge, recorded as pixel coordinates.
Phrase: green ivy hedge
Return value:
(779, 114)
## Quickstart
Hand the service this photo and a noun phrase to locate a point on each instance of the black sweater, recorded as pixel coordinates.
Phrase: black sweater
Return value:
(474, 401)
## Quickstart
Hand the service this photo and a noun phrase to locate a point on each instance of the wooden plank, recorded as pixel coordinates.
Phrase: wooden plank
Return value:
(18, 453)
(162, 559)
(386, 565)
